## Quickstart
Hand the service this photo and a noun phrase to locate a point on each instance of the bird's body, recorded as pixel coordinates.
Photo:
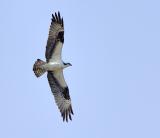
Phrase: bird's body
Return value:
(54, 66)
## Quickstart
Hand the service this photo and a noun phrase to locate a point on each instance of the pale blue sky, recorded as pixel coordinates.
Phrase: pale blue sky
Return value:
(114, 47)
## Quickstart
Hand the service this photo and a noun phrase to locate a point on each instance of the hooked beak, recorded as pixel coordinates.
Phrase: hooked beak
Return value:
(70, 64)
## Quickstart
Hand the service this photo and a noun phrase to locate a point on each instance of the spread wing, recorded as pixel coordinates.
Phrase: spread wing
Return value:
(61, 93)
(55, 38)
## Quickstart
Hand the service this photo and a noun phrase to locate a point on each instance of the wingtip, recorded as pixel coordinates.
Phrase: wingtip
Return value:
(59, 13)
(53, 18)
(70, 117)
(62, 22)
(67, 115)
(72, 111)
(56, 17)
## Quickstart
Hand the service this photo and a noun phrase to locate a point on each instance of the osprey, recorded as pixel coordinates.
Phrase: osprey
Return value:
(54, 67)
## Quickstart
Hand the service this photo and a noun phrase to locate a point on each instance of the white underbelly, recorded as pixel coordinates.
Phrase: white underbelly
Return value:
(53, 66)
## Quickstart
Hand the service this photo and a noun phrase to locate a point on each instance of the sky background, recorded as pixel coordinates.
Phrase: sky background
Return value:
(114, 47)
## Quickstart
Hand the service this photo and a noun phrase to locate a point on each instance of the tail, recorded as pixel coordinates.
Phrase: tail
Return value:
(38, 69)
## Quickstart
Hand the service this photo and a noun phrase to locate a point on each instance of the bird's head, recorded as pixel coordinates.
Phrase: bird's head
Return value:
(67, 65)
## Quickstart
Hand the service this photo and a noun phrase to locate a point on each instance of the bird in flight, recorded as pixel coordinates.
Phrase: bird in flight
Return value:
(54, 67)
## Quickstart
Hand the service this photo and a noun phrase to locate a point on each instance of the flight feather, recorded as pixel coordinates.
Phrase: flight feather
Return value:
(56, 34)
(61, 95)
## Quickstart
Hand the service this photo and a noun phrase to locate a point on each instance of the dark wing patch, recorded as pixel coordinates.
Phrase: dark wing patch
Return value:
(56, 33)
(61, 96)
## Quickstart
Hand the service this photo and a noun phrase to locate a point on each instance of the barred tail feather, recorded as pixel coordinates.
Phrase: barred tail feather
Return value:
(38, 69)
